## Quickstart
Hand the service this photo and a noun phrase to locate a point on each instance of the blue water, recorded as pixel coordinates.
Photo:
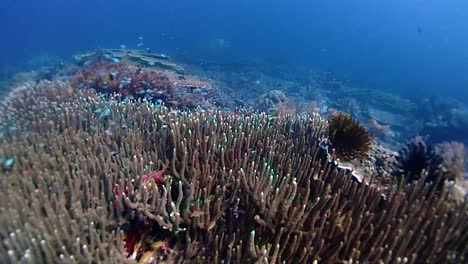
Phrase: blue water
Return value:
(414, 48)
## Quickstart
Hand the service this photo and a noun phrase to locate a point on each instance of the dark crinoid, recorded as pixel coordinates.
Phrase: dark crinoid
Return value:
(415, 158)
(349, 138)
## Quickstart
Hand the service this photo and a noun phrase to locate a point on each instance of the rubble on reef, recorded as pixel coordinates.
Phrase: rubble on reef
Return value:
(94, 179)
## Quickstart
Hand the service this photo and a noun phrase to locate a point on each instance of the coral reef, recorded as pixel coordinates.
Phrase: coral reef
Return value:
(133, 82)
(376, 128)
(417, 157)
(23, 75)
(436, 164)
(136, 183)
(453, 156)
(381, 99)
(443, 119)
(348, 137)
(276, 103)
(133, 57)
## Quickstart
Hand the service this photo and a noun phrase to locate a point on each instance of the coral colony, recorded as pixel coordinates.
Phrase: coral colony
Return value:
(128, 161)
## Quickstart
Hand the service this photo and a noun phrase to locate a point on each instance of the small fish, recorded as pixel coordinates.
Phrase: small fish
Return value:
(108, 78)
(151, 63)
(104, 113)
(7, 164)
(115, 59)
(123, 46)
(140, 45)
(40, 145)
(140, 38)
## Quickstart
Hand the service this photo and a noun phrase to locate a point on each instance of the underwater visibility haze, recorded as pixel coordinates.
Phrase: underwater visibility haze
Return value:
(402, 45)
(148, 131)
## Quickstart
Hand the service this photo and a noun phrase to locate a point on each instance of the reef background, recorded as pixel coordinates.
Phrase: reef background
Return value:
(157, 132)
(412, 48)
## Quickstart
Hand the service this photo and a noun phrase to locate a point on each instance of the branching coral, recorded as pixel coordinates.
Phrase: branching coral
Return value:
(349, 138)
(202, 187)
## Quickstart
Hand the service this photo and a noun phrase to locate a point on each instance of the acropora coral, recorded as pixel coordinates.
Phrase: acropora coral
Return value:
(149, 185)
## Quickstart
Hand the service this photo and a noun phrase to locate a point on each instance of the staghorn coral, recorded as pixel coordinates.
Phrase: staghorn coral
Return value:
(348, 137)
(144, 184)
